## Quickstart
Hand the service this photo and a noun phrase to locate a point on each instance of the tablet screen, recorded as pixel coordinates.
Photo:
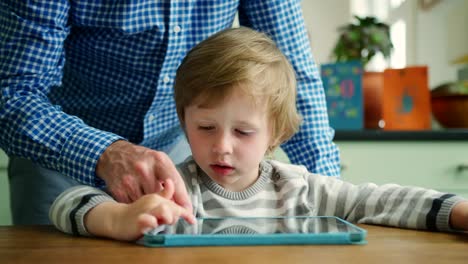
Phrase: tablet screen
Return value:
(259, 225)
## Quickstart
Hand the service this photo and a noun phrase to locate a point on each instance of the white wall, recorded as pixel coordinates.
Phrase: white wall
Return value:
(322, 20)
(433, 46)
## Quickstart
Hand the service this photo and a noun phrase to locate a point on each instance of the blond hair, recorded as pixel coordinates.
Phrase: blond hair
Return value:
(240, 58)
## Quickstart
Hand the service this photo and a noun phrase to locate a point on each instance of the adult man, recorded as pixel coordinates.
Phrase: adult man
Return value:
(87, 93)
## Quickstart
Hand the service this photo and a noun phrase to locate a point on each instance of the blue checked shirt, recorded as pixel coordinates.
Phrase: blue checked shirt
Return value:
(77, 75)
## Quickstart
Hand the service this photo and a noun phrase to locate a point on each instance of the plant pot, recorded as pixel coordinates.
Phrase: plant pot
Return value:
(451, 111)
(372, 86)
(450, 104)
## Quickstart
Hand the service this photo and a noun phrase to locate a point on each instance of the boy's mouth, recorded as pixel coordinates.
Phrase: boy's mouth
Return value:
(222, 169)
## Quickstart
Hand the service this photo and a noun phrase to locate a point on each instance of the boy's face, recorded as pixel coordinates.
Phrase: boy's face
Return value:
(229, 140)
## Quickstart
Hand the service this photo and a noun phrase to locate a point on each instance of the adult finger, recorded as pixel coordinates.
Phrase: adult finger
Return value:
(168, 189)
(130, 184)
(119, 195)
(180, 196)
(147, 180)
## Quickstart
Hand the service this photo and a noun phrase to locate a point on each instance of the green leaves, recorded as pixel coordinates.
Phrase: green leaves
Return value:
(362, 40)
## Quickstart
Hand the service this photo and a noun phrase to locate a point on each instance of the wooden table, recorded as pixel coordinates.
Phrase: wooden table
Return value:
(43, 244)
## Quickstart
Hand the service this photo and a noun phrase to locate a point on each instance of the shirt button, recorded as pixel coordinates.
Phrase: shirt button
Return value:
(177, 29)
(151, 117)
(166, 79)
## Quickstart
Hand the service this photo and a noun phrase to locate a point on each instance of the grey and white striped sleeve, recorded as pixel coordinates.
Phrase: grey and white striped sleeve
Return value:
(389, 204)
(70, 207)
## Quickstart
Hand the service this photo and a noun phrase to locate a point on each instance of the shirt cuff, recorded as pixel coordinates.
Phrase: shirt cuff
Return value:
(81, 153)
(443, 216)
(81, 213)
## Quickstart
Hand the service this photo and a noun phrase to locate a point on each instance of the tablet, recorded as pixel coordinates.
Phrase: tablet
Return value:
(237, 231)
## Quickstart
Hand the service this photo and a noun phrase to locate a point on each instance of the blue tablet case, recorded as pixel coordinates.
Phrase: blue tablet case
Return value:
(239, 231)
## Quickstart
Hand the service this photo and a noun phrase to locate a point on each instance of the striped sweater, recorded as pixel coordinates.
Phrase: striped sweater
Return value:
(284, 190)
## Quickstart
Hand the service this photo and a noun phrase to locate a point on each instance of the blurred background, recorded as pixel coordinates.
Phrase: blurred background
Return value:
(429, 34)
(424, 32)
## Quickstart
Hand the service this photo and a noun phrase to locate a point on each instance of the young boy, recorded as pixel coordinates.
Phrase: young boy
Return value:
(235, 97)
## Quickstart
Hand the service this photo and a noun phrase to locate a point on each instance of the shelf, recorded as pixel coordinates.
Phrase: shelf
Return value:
(380, 135)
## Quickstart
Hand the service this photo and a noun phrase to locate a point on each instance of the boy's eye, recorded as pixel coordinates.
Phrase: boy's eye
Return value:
(205, 127)
(243, 132)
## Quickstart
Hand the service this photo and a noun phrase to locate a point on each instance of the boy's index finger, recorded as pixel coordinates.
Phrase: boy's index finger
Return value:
(188, 216)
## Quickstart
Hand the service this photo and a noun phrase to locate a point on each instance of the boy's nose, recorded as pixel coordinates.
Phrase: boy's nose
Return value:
(222, 144)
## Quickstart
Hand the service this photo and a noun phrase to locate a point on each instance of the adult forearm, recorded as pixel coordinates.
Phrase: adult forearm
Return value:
(33, 58)
(312, 146)
(34, 129)
(324, 160)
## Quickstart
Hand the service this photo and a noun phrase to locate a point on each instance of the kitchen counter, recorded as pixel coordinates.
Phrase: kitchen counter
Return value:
(44, 244)
(422, 135)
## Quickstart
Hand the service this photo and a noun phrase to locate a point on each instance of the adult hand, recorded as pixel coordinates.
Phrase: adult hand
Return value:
(131, 171)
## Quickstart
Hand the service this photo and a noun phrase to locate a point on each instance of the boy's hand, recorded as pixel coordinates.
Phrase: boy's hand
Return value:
(129, 221)
(162, 212)
(459, 216)
(131, 171)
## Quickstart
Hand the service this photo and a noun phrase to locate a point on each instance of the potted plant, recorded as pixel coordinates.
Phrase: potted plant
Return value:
(362, 40)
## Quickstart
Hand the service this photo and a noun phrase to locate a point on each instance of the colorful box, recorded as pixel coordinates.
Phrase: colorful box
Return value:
(406, 99)
(343, 91)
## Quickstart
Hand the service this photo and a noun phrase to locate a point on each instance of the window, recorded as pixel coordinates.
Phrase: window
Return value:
(398, 35)
(396, 3)
(399, 14)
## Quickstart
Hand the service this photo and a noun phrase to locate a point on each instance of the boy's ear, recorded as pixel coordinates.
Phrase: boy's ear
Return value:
(273, 145)
(277, 140)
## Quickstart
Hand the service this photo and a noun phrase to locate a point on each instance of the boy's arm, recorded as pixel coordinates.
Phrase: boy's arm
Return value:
(69, 208)
(84, 210)
(129, 222)
(389, 204)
